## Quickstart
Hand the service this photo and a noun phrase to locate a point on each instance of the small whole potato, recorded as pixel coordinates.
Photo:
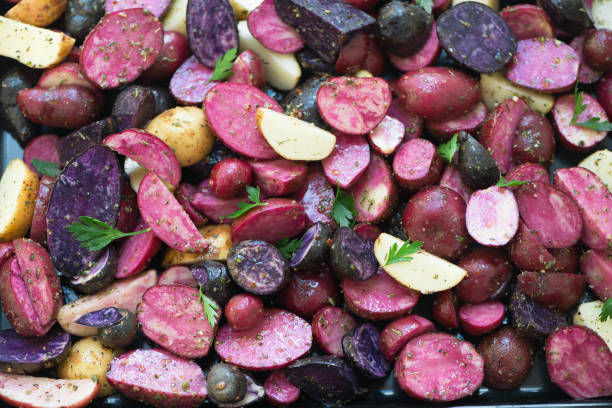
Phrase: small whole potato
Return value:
(88, 358)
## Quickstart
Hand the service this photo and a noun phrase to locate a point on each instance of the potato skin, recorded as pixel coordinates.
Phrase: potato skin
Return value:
(508, 358)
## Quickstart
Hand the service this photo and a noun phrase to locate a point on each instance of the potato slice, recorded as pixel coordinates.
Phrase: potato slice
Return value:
(494, 4)
(33, 46)
(496, 89)
(292, 138)
(601, 14)
(39, 13)
(600, 163)
(425, 272)
(175, 18)
(219, 239)
(242, 8)
(282, 70)
(18, 191)
(135, 172)
(588, 315)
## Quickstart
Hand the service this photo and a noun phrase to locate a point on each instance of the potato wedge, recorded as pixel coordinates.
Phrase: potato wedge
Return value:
(496, 89)
(18, 191)
(219, 239)
(292, 138)
(242, 8)
(600, 163)
(135, 172)
(39, 13)
(588, 315)
(425, 272)
(175, 18)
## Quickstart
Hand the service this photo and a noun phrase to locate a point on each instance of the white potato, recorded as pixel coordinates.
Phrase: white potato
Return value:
(39, 13)
(292, 138)
(282, 70)
(175, 18)
(18, 191)
(135, 172)
(588, 315)
(219, 239)
(600, 163)
(494, 4)
(242, 8)
(496, 89)
(426, 272)
(601, 14)
(33, 46)
(362, 73)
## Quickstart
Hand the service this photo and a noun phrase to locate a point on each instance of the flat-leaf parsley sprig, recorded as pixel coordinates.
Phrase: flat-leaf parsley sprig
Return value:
(426, 5)
(606, 310)
(402, 254)
(243, 207)
(47, 168)
(502, 182)
(447, 150)
(593, 123)
(223, 66)
(288, 247)
(210, 308)
(94, 234)
(343, 208)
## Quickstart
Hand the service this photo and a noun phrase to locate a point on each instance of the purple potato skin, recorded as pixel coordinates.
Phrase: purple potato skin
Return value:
(100, 318)
(100, 275)
(254, 393)
(530, 319)
(314, 249)
(133, 108)
(79, 141)
(28, 355)
(215, 281)
(360, 347)
(352, 256)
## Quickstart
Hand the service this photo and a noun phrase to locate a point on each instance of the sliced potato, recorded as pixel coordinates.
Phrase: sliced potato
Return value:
(219, 239)
(425, 272)
(175, 18)
(242, 8)
(600, 163)
(601, 14)
(39, 13)
(292, 138)
(494, 4)
(33, 46)
(135, 172)
(18, 191)
(588, 315)
(496, 89)
(282, 70)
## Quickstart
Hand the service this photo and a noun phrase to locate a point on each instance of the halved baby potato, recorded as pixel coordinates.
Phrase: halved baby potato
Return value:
(18, 191)
(39, 13)
(219, 240)
(588, 315)
(600, 163)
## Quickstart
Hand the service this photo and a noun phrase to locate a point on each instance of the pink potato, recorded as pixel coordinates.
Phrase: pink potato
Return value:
(439, 367)
(417, 164)
(604, 93)
(38, 229)
(587, 74)
(190, 82)
(279, 177)
(280, 392)
(66, 73)
(177, 275)
(427, 55)
(559, 291)
(317, 197)
(329, 325)
(43, 147)
(492, 216)
(184, 196)
(166, 218)
(156, 7)
(269, 29)
(597, 46)
(528, 253)
(444, 309)
(438, 93)
(481, 318)
(136, 252)
(244, 311)
(121, 46)
(528, 172)
(280, 218)
(307, 292)
(451, 178)
(149, 151)
(534, 140)
(229, 178)
(375, 192)
(278, 340)
(174, 52)
(594, 200)
(544, 64)
(248, 69)
(348, 161)
(353, 105)
(379, 298)
(173, 317)
(487, 271)
(376, 61)
(413, 124)
(352, 54)
(573, 137)
(396, 334)
(230, 109)
(597, 269)
(470, 122)
(387, 136)
(579, 362)
(367, 231)
(528, 21)
(215, 208)
(128, 207)
(566, 259)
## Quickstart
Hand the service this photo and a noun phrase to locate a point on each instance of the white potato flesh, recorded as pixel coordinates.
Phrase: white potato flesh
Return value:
(175, 18)
(135, 172)
(496, 88)
(601, 14)
(292, 138)
(39, 392)
(242, 8)
(18, 191)
(588, 315)
(600, 163)
(425, 273)
(39, 13)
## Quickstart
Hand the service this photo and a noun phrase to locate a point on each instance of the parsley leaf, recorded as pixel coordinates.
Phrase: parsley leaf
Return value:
(402, 253)
(94, 234)
(244, 207)
(512, 183)
(210, 308)
(223, 66)
(331, 301)
(447, 150)
(606, 310)
(288, 247)
(597, 125)
(426, 5)
(343, 208)
(594, 123)
(47, 168)
(579, 107)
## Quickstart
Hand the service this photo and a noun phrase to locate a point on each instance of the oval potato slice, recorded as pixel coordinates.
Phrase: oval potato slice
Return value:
(425, 272)
(18, 191)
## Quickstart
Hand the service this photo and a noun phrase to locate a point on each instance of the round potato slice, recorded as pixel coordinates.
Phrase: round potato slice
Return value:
(18, 190)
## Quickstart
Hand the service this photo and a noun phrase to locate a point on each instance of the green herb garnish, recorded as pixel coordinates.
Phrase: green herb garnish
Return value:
(606, 310)
(402, 254)
(502, 182)
(47, 168)
(447, 150)
(331, 301)
(210, 308)
(94, 234)
(288, 247)
(223, 66)
(243, 208)
(426, 5)
(343, 208)
(594, 123)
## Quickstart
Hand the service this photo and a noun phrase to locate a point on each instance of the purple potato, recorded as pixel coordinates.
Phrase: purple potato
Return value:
(121, 333)
(314, 249)
(100, 275)
(163, 98)
(531, 319)
(311, 62)
(203, 168)
(27, 355)
(569, 15)
(352, 256)
(215, 280)
(77, 142)
(11, 117)
(101, 318)
(503, 291)
(301, 102)
(134, 107)
(360, 347)
(254, 393)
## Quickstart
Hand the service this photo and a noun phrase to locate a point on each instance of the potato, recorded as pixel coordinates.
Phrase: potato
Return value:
(425, 272)
(175, 18)
(18, 191)
(588, 315)
(242, 8)
(600, 163)
(39, 13)
(494, 4)
(186, 130)
(88, 358)
(496, 89)
(362, 73)
(135, 172)
(33, 46)
(219, 239)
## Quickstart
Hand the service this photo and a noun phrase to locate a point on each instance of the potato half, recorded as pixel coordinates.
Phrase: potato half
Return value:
(18, 191)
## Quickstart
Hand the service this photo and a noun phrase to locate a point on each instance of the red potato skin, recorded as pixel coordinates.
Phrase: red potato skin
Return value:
(376, 61)
(213, 207)
(174, 52)
(424, 57)
(566, 259)
(367, 231)
(66, 73)
(348, 161)
(534, 140)
(597, 269)
(528, 172)
(280, 392)
(559, 291)
(308, 292)
(177, 275)
(399, 332)
(597, 46)
(443, 131)
(190, 82)
(136, 252)
(244, 311)
(249, 69)
(417, 164)
(528, 21)
(184, 195)
(43, 147)
(528, 253)
(128, 207)
(279, 177)
(363, 5)
(487, 270)
(268, 28)
(38, 229)
(604, 93)
(387, 136)
(438, 93)
(413, 124)
(587, 74)
(329, 324)
(444, 309)
(65, 106)
(577, 138)
(451, 178)
(353, 54)
(229, 178)
(481, 318)
(317, 198)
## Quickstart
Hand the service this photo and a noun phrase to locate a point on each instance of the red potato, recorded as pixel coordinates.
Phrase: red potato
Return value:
(213, 207)
(348, 161)
(451, 178)
(229, 178)
(492, 216)
(353, 54)
(317, 198)
(184, 195)
(396, 334)
(128, 207)
(566, 259)
(280, 392)
(353, 105)
(604, 93)
(66, 73)
(528, 253)
(578, 138)
(74, 55)
(528, 21)
(417, 164)
(440, 5)
(487, 271)
(65, 106)
(528, 172)
(439, 367)
(329, 325)
(231, 109)
(307, 292)
(559, 291)
(436, 216)
(426, 56)
(166, 218)
(177, 275)
(597, 269)
(364, 5)
(498, 132)
(120, 47)
(586, 74)
(175, 50)
(376, 61)
(438, 93)
(367, 231)
(379, 298)
(534, 140)
(470, 123)
(190, 82)
(481, 318)
(136, 252)
(248, 69)
(244, 311)
(279, 339)
(579, 362)
(413, 124)
(387, 136)
(173, 317)
(269, 29)
(444, 309)
(279, 177)
(43, 147)
(597, 46)
(157, 8)
(149, 151)
(38, 229)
